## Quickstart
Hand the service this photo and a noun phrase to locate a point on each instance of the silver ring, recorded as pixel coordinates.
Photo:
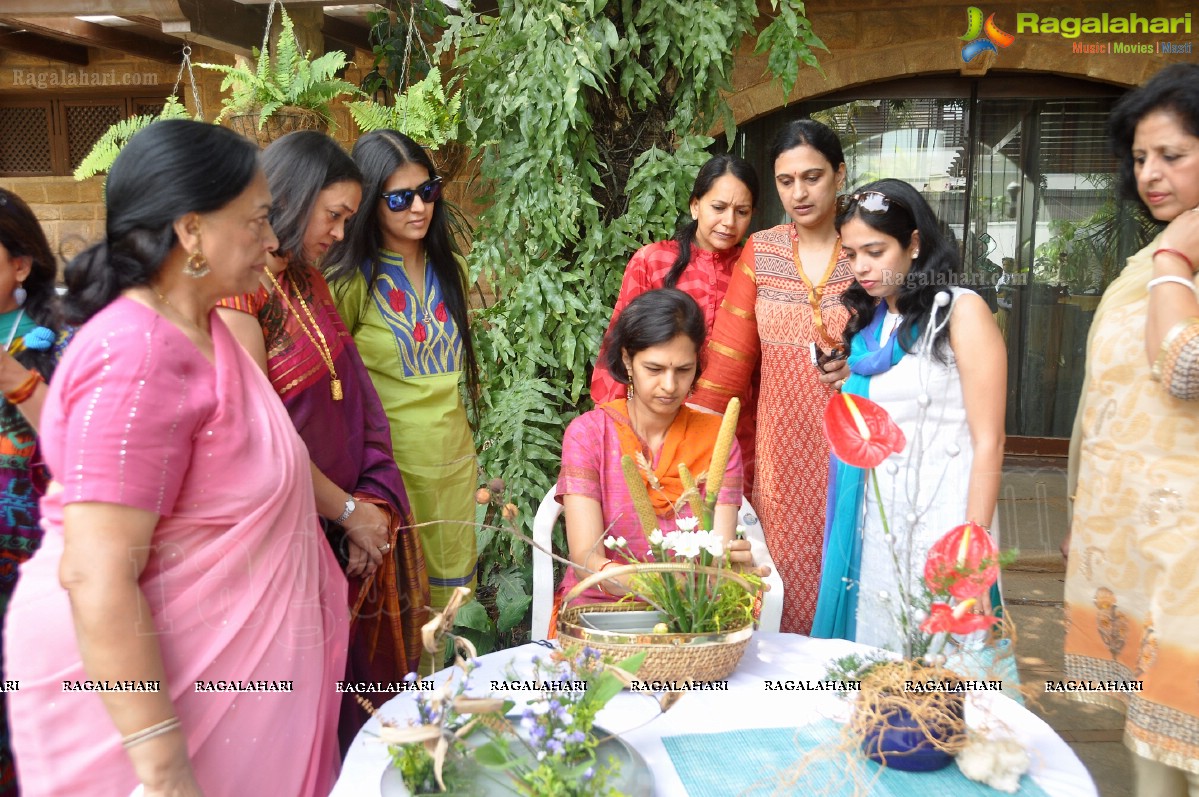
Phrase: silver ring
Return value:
(385, 547)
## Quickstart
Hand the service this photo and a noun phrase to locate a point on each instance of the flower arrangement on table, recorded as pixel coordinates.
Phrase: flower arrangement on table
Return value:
(891, 719)
(460, 743)
(686, 588)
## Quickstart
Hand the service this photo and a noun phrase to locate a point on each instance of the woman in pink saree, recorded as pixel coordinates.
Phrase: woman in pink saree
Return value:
(184, 624)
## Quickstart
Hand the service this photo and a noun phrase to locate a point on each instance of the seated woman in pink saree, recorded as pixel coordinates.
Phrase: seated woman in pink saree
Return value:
(184, 625)
(653, 349)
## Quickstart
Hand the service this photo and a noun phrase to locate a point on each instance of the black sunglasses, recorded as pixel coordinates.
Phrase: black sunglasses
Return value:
(401, 200)
(875, 202)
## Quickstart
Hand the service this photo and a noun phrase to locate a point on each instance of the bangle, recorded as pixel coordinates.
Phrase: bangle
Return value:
(1177, 254)
(146, 734)
(22, 392)
(600, 585)
(1155, 373)
(351, 505)
(1153, 283)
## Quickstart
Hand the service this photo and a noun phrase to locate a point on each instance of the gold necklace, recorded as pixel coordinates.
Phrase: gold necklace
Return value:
(816, 294)
(167, 303)
(322, 347)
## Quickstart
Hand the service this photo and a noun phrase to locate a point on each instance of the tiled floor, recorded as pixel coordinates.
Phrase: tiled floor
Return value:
(1032, 512)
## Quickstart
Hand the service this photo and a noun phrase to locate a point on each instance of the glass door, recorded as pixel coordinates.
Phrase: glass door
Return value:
(1026, 187)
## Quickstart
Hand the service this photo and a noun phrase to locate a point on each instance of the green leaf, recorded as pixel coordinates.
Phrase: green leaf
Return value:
(473, 616)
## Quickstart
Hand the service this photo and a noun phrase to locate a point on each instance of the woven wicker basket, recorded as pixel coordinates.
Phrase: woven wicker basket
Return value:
(671, 657)
(286, 120)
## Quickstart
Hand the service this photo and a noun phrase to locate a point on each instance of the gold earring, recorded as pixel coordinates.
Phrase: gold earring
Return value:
(197, 265)
(629, 393)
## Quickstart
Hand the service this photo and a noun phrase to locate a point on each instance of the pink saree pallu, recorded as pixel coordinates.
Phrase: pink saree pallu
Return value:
(246, 599)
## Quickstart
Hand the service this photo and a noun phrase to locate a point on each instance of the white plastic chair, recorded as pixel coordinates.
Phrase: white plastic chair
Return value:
(543, 566)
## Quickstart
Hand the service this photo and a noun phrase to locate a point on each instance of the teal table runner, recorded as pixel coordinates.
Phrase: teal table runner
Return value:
(751, 763)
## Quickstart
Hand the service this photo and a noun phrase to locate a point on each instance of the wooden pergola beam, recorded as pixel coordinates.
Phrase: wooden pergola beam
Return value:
(159, 9)
(24, 41)
(345, 35)
(89, 34)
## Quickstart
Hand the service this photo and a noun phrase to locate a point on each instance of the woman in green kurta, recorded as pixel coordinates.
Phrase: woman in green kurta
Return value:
(399, 285)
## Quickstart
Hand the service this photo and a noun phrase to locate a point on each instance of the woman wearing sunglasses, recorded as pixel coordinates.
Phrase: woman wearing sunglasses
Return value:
(291, 327)
(782, 310)
(398, 281)
(933, 357)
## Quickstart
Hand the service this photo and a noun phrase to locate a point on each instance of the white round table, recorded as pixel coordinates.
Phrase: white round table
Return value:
(747, 704)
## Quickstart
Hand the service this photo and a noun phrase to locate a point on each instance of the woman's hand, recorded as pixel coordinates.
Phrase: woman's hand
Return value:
(368, 530)
(741, 557)
(1182, 234)
(177, 781)
(835, 372)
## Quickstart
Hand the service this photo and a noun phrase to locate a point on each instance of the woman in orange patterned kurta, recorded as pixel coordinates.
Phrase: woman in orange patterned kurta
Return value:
(785, 294)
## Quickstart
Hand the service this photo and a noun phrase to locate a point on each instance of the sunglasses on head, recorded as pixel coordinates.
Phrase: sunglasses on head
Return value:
(868, 202)
(401, 200)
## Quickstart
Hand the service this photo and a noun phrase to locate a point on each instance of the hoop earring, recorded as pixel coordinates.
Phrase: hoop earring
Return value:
(196, 265)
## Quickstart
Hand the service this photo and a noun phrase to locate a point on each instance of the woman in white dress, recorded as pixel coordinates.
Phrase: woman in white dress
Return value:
(932, 356)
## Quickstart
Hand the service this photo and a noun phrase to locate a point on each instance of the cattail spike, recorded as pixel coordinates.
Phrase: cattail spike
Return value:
(640, 495)
(691, 492)
(720, 457)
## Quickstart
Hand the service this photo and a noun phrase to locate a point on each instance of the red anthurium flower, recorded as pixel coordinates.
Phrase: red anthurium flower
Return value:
(946, 619)
(440, 314)
(419, 333)
(397, 299)
(860, 432)
(963, 563)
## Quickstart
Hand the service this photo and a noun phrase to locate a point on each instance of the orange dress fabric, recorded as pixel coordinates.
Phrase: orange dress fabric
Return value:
(769, 316)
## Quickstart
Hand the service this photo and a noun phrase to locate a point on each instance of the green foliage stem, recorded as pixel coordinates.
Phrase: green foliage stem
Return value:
(592, 119)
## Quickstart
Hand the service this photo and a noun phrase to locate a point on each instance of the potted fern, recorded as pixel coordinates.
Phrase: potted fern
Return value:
(286, 91)
(424, 113)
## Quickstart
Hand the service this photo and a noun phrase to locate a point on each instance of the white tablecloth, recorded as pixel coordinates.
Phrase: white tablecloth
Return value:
(747, 704)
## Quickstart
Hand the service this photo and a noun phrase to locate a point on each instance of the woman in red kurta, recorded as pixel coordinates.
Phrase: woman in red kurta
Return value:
(699, 261)
(784, 295)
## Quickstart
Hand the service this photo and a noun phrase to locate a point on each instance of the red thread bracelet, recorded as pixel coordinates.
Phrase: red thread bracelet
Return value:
(1177, 254)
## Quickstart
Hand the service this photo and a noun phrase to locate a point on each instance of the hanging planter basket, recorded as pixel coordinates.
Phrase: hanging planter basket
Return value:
(449, 158)
(286, 120)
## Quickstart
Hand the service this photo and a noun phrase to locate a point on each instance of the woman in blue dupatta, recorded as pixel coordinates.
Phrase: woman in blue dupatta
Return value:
(932, 356)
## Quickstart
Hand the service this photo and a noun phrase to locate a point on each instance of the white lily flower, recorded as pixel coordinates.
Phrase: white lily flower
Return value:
(687, 523)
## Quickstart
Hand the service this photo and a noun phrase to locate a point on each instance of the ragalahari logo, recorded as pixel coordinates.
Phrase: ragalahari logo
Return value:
(982, 36)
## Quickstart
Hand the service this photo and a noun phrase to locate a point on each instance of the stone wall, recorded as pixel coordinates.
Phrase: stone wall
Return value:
(878, 40)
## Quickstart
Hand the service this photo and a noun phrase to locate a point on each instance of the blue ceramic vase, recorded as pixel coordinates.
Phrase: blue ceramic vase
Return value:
(897, 741)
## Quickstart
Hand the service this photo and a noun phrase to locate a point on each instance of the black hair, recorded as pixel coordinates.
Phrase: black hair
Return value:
(169, 169)
(378, 154)
(930, 271)
(1175, 89)
(298, 167)
(809, 132)
(709, 173)
(22, 236)
(653, 318)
